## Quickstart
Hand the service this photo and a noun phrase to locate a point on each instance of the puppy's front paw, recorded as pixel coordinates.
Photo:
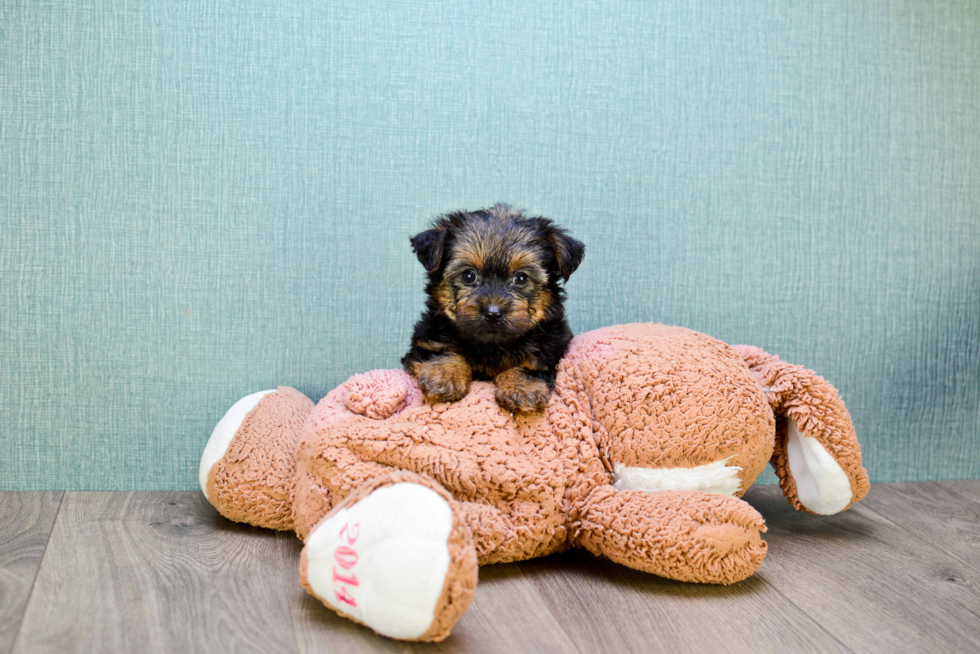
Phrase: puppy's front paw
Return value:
(444, 379)
(519, 393)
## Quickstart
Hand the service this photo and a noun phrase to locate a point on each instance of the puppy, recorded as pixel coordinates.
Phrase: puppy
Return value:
(494, 308)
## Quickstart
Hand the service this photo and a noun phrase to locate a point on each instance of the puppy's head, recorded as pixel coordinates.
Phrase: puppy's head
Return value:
(494, 272)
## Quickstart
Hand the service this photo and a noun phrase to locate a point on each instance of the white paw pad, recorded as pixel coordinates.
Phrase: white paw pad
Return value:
(383, 561)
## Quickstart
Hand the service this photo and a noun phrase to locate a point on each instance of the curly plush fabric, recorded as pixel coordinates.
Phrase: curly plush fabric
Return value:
(642, 420)
(689, 536)
(254, 479)
(817, 411)
(380, 393)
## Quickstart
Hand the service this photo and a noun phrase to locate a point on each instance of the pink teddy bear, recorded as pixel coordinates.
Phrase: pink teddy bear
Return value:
(649, 439)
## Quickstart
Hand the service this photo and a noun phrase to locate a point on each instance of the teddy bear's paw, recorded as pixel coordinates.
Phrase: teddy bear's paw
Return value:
(223, 432)
(518, 393)
(727, 545)
(726, 553)
(378, 394)
(247, 465)
(397, 560)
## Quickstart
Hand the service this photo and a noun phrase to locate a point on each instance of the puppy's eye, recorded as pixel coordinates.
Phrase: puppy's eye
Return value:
(468, 276)
(520, 279)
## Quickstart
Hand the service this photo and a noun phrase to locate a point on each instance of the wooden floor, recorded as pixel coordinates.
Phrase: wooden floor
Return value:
(147, 572)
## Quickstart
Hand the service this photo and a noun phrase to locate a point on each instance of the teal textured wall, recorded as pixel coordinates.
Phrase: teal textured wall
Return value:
(202, 200)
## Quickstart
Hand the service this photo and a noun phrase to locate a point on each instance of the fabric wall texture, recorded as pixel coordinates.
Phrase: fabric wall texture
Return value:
(199, 200)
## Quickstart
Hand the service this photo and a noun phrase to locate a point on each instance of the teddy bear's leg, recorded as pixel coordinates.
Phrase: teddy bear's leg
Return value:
(395, 555)
(683, 535)
(325, 475)
(502, 537)
(817, 457)
(247, 466)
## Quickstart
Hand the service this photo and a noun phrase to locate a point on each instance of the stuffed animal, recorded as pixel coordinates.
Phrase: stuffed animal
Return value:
(650, 437)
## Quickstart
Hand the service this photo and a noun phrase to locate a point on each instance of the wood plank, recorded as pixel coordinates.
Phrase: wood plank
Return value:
(26, 520)
(155, 572)
(608, 607)
(968, 488)
(933, 512)
(507, 615)
(869, 582)
(163, 572)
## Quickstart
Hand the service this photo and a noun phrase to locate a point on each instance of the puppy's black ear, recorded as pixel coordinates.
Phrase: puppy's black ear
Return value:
(569, 252)
(428, 247)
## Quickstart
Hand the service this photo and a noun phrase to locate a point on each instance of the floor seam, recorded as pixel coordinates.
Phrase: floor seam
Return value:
(931, 544)
(554, 617)
(802, 610)
(953, 491)
(30, 595)
(280, 537)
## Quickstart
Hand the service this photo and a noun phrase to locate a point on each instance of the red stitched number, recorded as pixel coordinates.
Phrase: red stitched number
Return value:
(352, 535)
(344, 596)
(347, 559)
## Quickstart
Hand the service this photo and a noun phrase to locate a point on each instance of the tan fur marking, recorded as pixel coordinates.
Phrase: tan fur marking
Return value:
(445, 378)
(467, 309)
(541, 307)
(518, 393)
(469, 252)
(522, 257)
(469, 255)
(477, 243)
(530, 363)
(445, 297)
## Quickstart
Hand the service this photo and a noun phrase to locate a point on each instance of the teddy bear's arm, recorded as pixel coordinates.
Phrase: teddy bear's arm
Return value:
(683, 535)
(380, 394)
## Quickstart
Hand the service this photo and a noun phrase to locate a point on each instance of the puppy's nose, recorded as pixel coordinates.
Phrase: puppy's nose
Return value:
(494, 313)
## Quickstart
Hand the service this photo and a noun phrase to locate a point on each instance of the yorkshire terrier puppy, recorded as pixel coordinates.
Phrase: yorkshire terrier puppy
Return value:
(494, 310)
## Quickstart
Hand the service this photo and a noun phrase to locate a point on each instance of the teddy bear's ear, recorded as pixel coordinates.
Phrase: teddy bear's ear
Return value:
(428, 247)
(569, 251)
